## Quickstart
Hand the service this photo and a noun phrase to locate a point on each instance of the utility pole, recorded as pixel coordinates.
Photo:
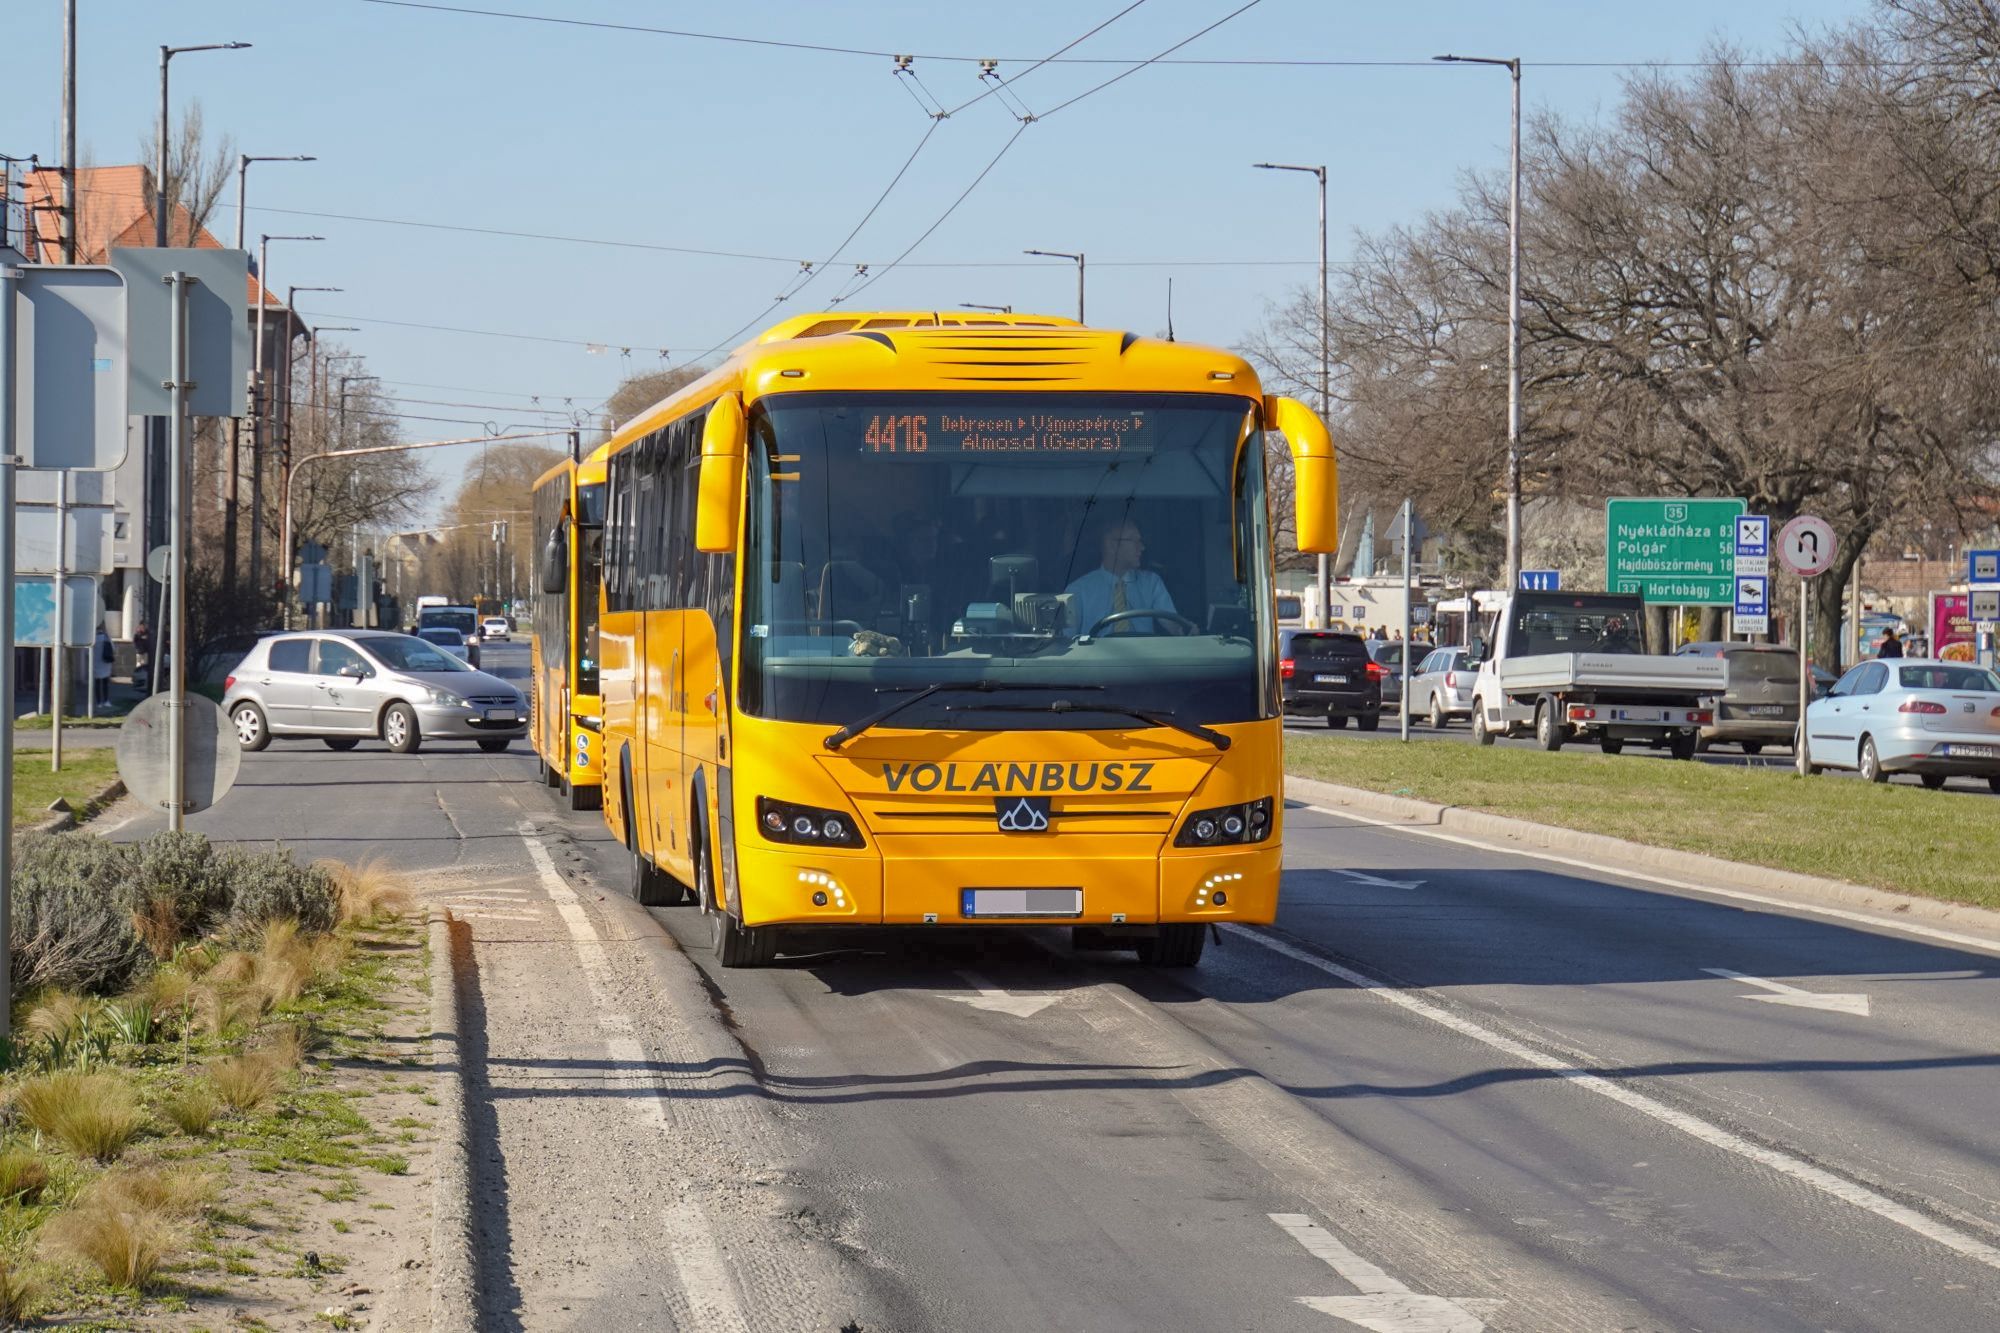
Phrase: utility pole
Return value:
(69, 133)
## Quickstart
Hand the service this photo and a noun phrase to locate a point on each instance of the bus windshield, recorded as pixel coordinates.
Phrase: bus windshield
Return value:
(901, 540)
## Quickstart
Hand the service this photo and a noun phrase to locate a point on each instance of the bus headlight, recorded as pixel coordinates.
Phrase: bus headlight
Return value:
(1226, 825)
(806, 825)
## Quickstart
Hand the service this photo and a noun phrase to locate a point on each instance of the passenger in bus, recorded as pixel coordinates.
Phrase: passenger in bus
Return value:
(1119, 584)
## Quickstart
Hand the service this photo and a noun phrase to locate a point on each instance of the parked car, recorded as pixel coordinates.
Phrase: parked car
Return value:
(448, 639)
(1933, 718)
(1760, 703)
(1388, 654)
(494, 628)
(342, 686)
(1328, 673)
(1441, 688)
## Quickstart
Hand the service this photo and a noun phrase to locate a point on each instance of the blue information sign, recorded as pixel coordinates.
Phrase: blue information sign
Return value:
(1982, 566)
(1541, 580)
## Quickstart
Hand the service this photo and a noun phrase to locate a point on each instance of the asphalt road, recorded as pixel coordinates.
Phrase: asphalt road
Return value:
(1455, 1088)
(1461, 731)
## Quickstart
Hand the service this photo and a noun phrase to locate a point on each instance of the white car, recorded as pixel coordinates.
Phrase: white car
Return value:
(1917, 715)
(493, 627)
(1441, 689)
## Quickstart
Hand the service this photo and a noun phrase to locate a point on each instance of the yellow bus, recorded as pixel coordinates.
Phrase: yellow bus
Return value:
(929, 620)
(564, 716)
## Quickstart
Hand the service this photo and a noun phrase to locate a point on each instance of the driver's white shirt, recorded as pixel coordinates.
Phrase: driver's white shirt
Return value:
(1143, 592)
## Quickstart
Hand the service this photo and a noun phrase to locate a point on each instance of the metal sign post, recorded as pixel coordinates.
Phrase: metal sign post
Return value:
(1806, 548)
(10, 278)
(1407, 645)
(60, 653)
(178, 283)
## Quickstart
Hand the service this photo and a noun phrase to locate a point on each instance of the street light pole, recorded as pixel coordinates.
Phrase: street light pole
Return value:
(1325, 571)
(292, 469)
(1061, 254)
(1513, 67)
(261, 405)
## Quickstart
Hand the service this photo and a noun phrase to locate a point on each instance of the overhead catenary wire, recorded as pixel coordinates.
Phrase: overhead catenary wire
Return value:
(1241, 62)
(999, 83)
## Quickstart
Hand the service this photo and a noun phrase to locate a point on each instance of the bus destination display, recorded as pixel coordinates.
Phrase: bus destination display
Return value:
(960, 434)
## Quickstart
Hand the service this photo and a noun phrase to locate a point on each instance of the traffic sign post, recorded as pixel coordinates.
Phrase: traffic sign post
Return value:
(1672, 551)
(1806, 548)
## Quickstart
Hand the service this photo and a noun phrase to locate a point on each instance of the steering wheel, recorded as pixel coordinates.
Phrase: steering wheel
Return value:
(1137, 612)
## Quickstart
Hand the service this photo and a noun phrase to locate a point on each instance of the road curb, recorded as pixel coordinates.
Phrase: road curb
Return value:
(453, 1285)
(64, 820)
(1503, 831)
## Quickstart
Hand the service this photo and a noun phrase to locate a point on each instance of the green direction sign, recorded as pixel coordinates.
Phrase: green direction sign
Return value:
(1672, 551)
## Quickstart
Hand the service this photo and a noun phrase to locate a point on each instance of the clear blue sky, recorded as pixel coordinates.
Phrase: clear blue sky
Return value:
(669, 141)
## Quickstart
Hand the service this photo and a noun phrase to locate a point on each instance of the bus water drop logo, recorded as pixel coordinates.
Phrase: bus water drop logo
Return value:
(1024, 814)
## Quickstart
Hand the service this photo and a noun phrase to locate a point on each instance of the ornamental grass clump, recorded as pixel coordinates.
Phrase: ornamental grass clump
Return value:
(245, 1082)
(92, 1115)
(192, 1110)
(126, 1245)
(23, 1176)
(369, 892)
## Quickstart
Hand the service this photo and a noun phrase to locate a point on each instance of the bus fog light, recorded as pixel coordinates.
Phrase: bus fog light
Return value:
(1220, 898)
(819, 898)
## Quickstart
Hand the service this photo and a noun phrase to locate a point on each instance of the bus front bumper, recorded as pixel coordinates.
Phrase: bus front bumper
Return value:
(895, 884)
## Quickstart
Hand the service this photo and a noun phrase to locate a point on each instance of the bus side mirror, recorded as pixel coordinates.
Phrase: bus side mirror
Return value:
(720, 497)
(1315, 474)
(555, 564)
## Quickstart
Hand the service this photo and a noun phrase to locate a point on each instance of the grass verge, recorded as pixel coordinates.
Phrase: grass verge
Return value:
(1897, 836)
(84, 774)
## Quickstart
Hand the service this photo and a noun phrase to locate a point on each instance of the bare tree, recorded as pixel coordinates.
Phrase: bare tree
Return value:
(640, 392)
(196, 173)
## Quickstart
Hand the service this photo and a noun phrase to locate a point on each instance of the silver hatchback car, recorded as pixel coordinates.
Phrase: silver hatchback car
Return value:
(342, 686)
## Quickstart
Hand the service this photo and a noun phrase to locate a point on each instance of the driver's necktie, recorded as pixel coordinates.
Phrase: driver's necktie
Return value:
(1118, 603)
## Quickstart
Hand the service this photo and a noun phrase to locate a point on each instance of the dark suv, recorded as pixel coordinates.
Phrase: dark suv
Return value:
(1330, 674)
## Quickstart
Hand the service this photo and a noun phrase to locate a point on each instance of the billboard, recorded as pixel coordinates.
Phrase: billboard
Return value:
(1952, 636)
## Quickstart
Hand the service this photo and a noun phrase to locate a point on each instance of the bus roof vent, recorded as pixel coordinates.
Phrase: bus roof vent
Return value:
(826, 324)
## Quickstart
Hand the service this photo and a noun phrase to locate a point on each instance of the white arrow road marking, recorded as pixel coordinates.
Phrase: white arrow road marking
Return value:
(1793, 995)
(1380, 883)
(991, 997)
(1384, 1305)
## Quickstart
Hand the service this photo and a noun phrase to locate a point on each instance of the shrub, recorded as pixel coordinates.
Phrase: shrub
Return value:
(126, 1245)
(245, 1082)
(71, 925)
(23, 1174)
(176, 885)
(192, 1110)
(93, 1115)
(132, 1019)
(369, 891)
(172, 1192)
(17, 1292)
(272, 886)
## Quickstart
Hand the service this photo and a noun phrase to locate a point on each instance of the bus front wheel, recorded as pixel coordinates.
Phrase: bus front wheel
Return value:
(1178, 944)
(735, 944)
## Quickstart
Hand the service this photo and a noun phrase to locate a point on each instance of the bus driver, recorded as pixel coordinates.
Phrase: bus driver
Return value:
(1118, 584)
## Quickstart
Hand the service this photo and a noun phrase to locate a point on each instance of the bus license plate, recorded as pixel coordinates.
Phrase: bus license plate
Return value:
(1020, 902)
(501, 715)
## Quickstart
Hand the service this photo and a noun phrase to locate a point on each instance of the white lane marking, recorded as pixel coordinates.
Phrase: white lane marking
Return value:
(1794, 995)
(1379, 882)
(1785, 1164)
(692, 1250)
(1976, 942)
(1384, 1305)
(992, 998)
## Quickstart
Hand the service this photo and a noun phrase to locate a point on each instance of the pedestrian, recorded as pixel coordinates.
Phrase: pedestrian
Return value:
(102, 655)
(1891, 645)
(142, 655)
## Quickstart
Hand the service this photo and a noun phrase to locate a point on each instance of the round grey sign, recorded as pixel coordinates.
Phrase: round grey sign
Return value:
(156, 563)
(145, 762)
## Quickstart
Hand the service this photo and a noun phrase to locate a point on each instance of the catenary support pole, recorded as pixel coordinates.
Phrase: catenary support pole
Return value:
(9, 281)
(69, 133)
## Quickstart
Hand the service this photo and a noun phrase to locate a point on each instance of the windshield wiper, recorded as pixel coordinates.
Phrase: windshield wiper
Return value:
(1148, 716)
(847, 733)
